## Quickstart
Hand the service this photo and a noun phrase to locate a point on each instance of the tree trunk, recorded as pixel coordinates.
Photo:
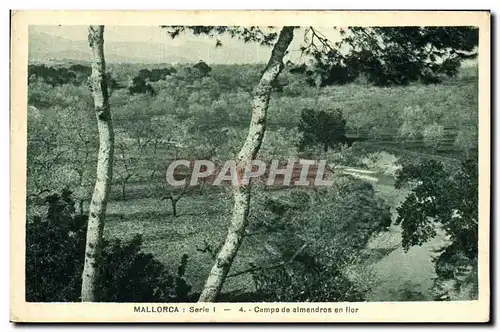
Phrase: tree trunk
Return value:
(80, 206)
(174, 207)
(241, 192)
(97, 209)
(124, 194)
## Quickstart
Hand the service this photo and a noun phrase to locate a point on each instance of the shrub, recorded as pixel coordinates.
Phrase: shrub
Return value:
(324, 128)
(299, 283)
(55, 250)
(129, 275)
(319, 237)
(55, 247)
(139, 85)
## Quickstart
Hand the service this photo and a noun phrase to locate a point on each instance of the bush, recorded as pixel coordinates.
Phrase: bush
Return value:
(139, 85)
(55, 247)
(129, 275)
(324, 128)
(299, 283)
(319, 237)
(55, 250)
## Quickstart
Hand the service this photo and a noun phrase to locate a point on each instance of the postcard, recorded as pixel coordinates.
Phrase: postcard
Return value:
(250, 166)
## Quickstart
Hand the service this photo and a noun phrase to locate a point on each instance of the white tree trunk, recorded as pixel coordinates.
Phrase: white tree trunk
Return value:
(97, 209)
(241, 192)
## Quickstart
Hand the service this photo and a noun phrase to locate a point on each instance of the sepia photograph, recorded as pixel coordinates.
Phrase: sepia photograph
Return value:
(184, 167)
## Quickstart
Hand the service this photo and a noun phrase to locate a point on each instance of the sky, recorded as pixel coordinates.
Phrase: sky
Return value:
(158, 37)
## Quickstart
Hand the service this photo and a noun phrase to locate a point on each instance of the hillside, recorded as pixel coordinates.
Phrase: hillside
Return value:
(46, 48)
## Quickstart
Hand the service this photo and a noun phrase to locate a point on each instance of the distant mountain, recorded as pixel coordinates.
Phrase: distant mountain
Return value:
(44, 47)
(47, 48)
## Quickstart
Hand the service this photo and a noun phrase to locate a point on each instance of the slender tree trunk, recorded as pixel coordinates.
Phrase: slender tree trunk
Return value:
(80, 206)
(97, 209)
(124, 194)
(241, 192)
(174, 207)
(81, 201)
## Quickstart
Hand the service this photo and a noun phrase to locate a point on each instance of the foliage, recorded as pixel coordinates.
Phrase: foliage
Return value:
(318, 237)
(55, 248)
(326, 129)
(61, 143)
(432, 135)
(298, 283)
(140, 82)
(422, 123)
(442, 200)
(76, 74)
(156, 74)
(129, 275)
(202, 68)
(388, 55)
(466, 140)
(372, 114)
(265, 37)
(139, 85)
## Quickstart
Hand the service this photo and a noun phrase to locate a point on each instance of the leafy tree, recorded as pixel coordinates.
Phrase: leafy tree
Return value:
(44, 154)
(130, 275)
(319, 236)
(79, 68)
(247, 77)
(161, 74)
(202, 68)
(139, 85)
(432, 135)
(326, 129)
(76, 75)
(467, 140)
(446, 200)
(388, 55)
(144, 74)
(51, 75)
(422, 123)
